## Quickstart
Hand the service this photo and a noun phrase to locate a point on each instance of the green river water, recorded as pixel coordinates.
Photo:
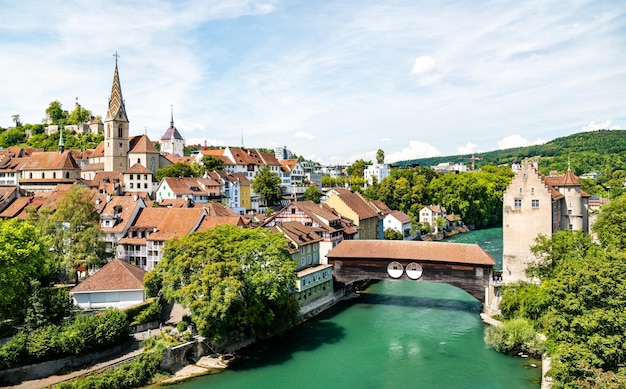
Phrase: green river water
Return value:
(398, 334)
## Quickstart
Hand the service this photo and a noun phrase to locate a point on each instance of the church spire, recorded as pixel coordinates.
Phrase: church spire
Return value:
(172, 112)
(61, 142)
(116, 110)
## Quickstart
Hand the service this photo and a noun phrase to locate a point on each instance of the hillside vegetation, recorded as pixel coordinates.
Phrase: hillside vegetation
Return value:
(586, 152)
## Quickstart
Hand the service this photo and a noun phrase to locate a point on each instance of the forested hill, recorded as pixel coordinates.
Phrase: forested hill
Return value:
(586, 151)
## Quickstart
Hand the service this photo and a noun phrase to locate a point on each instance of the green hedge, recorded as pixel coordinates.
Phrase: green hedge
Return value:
(83, 334)
(137, 373)
(148, 313)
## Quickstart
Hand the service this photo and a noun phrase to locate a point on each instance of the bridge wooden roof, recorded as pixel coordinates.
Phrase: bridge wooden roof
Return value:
(461, 253)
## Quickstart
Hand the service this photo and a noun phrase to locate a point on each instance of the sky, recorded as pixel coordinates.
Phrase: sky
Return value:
(333, 81)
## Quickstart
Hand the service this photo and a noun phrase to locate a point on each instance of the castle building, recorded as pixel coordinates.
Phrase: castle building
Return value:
(535, 204)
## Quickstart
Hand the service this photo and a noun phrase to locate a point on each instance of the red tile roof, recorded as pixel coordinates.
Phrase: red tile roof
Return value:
(115, 275)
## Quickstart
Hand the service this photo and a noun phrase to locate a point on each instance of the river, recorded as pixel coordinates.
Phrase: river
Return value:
(398, 334)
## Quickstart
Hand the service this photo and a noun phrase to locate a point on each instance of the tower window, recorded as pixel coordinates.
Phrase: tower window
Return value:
(119, 132)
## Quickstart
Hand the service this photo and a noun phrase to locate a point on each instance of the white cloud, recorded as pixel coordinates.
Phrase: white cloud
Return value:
(512, 141)
(424, 64)
(605, 125)
(415, 150)
(303, 135)
(469, 148)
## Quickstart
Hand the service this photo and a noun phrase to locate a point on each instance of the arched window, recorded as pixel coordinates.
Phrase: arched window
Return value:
(54, 174)
(139, 161)
(67, 174)
(43, 175)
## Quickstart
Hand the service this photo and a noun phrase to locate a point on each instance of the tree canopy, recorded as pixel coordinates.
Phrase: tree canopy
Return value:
(312, 193)
(22, 259)
(231, 279)
(579, 304)
(178, 169)
(611, 224)
(74, 230)
(267, 185)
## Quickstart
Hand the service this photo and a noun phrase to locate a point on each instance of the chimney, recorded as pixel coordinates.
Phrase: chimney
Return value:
(136, 197)
(108, 198)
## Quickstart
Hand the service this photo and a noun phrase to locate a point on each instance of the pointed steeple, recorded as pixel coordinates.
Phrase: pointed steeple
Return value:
(172, 112)
(116, 110)
(61, 142)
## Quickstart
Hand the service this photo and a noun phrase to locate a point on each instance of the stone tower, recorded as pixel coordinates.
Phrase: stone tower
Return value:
(116, 125)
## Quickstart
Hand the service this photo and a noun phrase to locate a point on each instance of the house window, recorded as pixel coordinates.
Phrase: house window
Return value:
(518, 203)
(569, 211)
(145, 176)
(131, 176)
(571, 227)
(145, 185)
(139, 160)
(131, 185)
(43, 175)
(532, 190)
(520, 190)
(54, 175)
(535, 203)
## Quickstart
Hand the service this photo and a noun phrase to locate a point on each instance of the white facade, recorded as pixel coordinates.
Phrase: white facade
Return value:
(108, 299)
(376, 171)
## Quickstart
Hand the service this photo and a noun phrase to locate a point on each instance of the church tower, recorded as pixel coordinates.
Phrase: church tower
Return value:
(172, 142)
(116, 125)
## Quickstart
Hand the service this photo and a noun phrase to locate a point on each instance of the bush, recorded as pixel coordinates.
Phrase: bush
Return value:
(137, 373)
(150, 313)
(517, 335)
(83, 334)
(181, 326)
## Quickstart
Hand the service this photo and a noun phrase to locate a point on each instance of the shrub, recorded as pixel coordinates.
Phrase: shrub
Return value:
(149, 314)
(83, 334)
(181, 326)
(137, 373)
(517, 335)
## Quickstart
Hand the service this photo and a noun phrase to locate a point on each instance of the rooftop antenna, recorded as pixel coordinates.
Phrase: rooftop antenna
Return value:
(242, 138)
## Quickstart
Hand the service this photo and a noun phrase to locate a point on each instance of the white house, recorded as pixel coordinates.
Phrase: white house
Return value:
(399, 221)
(377, 171)
(117, 285)
(431, 213)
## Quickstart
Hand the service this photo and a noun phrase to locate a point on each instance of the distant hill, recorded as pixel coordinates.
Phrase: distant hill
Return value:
(586, 151)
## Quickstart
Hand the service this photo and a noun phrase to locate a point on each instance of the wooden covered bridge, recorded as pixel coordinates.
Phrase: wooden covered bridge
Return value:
(466, 266)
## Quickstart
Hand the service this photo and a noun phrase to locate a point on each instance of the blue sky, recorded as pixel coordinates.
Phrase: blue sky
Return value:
(333, 81)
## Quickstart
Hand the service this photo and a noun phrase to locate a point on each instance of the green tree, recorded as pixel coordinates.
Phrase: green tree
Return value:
(391, 234)
(178, 169)
(56, 113)
(232, 279)
(610, 226)
(380, 156)
(357, 168)
(267, 185)
(79, 115)
(75, 231)
(312, 193)
(212, 163)
(22, 258)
